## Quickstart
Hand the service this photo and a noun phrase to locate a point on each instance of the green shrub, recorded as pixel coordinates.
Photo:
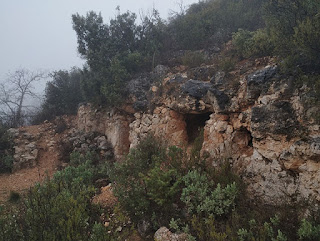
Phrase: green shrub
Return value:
(201, 197)
(252, 44)
(205, 229)
(62, 206)
(6, 163)
(267, 231)
(243, 42)
(6, 145)
(293, 28)
(63, 215)
(14, 197)
(62, 96)
(227, 64)
(309, 231)
(75, 178)
(162, 184)
(193, 59)
(262, 44)
(10, 227)
(99, 233)
(306, 39)
(146, 185)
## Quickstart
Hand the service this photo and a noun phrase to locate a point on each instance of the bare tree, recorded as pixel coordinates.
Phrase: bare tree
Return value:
(182, 9)
(13, 94)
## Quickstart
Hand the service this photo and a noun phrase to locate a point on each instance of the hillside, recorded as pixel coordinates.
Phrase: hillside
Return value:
(202, 127)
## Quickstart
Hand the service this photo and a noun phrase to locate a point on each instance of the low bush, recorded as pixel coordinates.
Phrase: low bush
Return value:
(267, 231)
(309, 231)
(62, 206)
(227, 64)
(193, 59)
(154, 184)
(252, 44)
(202, 197)
(6, 163)
(146, 185)
(6, 150)
(14, 197)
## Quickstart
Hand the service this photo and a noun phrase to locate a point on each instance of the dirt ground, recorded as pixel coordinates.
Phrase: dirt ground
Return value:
(20, 181)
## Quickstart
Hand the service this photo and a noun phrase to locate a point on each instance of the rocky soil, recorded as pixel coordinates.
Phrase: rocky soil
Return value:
(36, 158)
(42, 150)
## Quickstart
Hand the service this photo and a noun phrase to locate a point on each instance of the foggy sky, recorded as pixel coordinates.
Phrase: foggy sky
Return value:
(38, 34)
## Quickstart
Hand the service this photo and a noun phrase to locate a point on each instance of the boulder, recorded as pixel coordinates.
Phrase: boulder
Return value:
(164, 234)
(259, 81)
(196, 88)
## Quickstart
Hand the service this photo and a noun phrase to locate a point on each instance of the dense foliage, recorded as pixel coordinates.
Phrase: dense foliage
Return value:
(118, 50)
(210, 23)
(115, 51)
(61, 208)
(62, 95)
(292, 32)
(6, 159)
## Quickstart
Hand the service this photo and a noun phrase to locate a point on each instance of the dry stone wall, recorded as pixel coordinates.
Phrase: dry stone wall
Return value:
(25, 149)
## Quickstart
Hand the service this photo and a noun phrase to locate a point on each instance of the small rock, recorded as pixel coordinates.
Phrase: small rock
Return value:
(164, 234)
(119, 229)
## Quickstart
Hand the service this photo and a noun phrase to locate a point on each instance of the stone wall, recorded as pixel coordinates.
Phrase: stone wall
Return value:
(25, 148)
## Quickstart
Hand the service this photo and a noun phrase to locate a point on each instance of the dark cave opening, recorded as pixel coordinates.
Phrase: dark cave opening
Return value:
(195, 123)
(247, 135)
(243, 137)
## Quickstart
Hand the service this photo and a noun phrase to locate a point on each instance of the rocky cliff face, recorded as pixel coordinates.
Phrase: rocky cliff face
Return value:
(254, 117)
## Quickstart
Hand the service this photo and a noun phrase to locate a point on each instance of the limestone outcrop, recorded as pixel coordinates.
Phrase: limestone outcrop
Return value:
(253, 117)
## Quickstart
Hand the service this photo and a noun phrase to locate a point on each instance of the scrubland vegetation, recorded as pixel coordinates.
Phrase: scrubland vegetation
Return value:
(156, 185)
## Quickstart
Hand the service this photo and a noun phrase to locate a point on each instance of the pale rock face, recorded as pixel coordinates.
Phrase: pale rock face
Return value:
(164, 234)
(256, 120)
(113, 125)
(25, 149)
(166, 124)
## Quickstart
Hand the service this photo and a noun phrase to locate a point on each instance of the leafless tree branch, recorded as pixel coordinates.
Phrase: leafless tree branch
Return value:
(18, 86)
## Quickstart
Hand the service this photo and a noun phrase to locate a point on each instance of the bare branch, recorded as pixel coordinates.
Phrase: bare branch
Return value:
(18, 87)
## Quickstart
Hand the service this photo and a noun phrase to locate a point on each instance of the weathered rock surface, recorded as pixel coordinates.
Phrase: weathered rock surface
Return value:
(251, 117)
(164, 234)
(115, 126)
(25, 148)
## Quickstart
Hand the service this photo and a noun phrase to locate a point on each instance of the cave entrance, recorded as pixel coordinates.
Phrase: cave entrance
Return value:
(195, 123)
(243, 138)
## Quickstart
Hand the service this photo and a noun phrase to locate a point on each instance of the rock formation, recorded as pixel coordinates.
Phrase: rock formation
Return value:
(253, 117)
